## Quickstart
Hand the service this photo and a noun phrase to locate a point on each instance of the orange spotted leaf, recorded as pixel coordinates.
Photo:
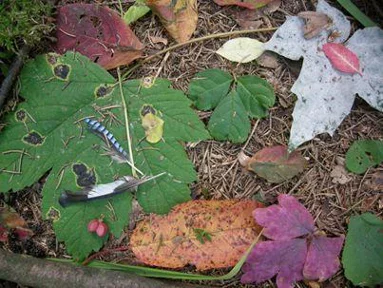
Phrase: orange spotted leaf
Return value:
(207, 234)
(98, 33)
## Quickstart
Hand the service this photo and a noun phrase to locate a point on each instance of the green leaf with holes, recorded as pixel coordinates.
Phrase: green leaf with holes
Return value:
(235, 102)
(364, 154)
(47, 133)
(362, 257)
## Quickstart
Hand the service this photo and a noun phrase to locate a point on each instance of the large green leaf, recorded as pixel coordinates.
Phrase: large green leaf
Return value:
(364, 154)
(363, 252)
(47, 132)
(250, 96)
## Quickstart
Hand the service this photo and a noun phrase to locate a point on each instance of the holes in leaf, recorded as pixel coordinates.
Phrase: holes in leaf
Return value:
(146, 109)
(102, 91)
(96, 59)
(85, 177)
(95, 21)
(61, 71)
(53, 214)
(52, 58)
(21, 115)
(33, 138)
(147, 82)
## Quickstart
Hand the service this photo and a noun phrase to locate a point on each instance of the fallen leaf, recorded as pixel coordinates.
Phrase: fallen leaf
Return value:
(243, 159)
(136, 11)
(287, 220)
(241, 49)
(284, 258)
(342, 58)
(315, 23)
(157, 40)
(276, 165)
(268, 60)
(249, 24)
(340, 175)
(178, 17)
(325, 95)
(292, 259)
(364, 154)
(322, 258)
(362, 257)
(376, 181)
(152, 124)
(10, 220)
(98, 33)
(249, 4)
(249, 19)
(171, 241)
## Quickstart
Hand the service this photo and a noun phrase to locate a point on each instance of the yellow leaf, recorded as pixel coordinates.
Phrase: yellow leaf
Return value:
(152, 124)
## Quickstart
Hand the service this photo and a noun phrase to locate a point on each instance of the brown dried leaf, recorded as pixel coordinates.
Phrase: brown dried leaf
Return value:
(340, 175)
(157, 40)
(376, 181)
(268, 60)
(175, 240)
(179, 17)
(315, 23)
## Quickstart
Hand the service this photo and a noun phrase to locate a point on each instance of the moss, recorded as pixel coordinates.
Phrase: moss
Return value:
(23, 22)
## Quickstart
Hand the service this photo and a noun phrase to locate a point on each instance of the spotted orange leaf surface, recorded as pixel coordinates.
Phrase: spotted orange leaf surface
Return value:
(205, 233)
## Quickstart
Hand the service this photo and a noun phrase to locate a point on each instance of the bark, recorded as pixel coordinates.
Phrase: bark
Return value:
(35, 272)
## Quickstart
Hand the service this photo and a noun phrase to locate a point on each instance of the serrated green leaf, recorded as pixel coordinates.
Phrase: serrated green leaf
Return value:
(136, 11)
(229, 120)
(364, 154)
(256, 94)
(60, 91)
(250, 96)
(362, 257)
(209, 87)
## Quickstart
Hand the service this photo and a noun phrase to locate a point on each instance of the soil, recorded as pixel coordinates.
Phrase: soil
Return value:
(220, 174)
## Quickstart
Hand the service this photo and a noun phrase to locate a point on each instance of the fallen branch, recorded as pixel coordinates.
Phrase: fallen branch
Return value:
(35, 272)
(12, 74)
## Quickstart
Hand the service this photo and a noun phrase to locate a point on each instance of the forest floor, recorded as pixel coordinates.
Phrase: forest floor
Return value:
(220, 174)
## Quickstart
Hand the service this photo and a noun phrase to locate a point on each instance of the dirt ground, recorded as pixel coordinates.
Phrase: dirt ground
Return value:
(220, 174)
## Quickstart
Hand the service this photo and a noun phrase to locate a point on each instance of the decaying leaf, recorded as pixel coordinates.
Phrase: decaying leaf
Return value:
(276, 165)
(10, 220)
(98, 33)
(241, 49)
(342, 58)
(340, 175)
(226, 229)
(311, 256)
(364, 154)
(157, 40)
(178, 17)
(268, 60)
(315, 23)
(152, 124)
(376, 181)
(250, 19)
(249, 4)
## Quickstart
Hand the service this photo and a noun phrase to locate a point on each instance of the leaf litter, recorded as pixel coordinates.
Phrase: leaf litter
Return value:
(214, 159)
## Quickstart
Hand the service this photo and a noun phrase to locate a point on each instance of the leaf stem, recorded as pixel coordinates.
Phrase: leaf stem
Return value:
(356, 13)
(124, 107)
(159, 273)
(207, 37)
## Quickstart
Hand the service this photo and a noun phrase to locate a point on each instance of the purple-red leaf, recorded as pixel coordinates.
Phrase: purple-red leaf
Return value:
(322, 258)
(342, 58)
(285, 258)
(287, 220)
(98, 33)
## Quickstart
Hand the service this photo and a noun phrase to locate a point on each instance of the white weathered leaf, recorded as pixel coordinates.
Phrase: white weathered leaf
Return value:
(325, 95)
(241, 49)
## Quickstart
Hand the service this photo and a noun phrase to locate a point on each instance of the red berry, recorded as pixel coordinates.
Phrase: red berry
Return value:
(93, 225)
(102, 229)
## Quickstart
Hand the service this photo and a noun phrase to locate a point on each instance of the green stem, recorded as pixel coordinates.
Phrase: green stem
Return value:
(356, 13)
(207, 37)
(124, 107)
(159, 273)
